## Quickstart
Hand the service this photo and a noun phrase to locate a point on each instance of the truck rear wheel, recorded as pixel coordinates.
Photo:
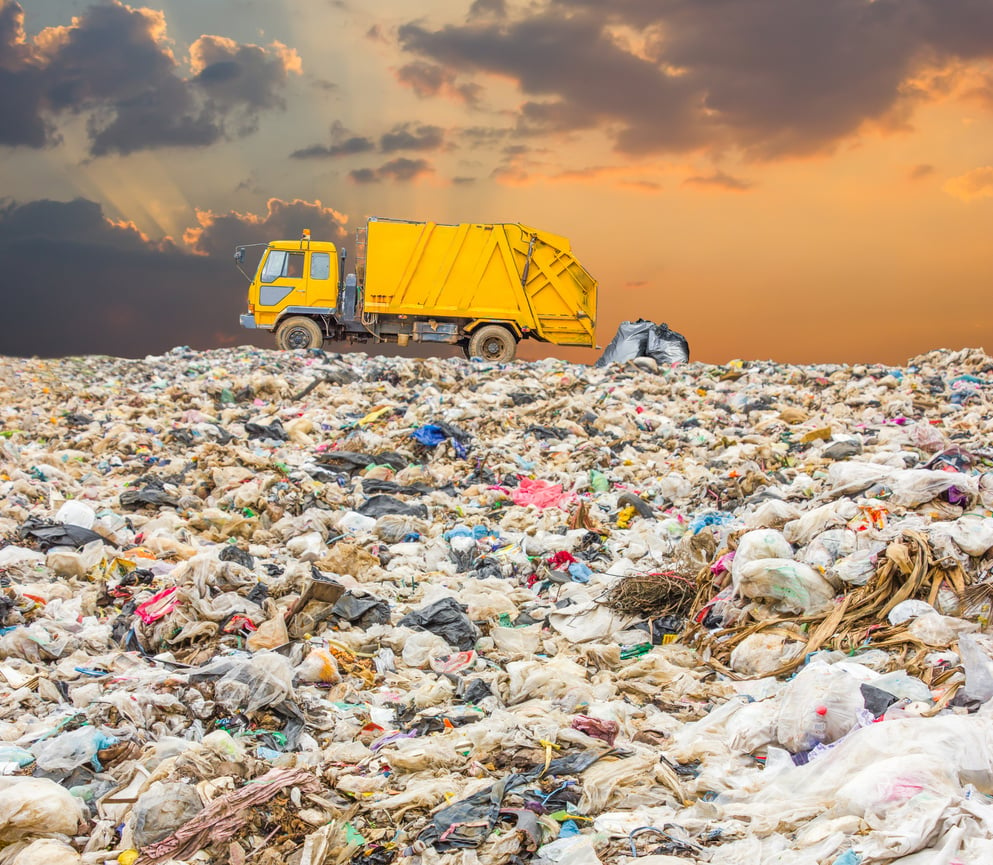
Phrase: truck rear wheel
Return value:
(493, 343)
(299, 332)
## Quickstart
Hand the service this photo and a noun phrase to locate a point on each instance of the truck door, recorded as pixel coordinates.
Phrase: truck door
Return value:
(281, 280)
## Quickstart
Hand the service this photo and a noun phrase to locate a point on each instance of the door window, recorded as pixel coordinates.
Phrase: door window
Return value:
(320, 265)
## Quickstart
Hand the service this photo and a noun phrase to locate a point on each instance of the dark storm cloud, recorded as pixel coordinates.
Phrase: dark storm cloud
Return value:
(408, 136)
(127, 296)
(769, 77)
(130, 295)
(115, 64)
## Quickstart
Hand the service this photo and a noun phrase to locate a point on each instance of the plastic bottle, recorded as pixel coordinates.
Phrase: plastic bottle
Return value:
(818, 727)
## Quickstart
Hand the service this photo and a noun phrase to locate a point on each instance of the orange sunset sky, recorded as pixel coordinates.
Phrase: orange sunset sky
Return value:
(801, 180)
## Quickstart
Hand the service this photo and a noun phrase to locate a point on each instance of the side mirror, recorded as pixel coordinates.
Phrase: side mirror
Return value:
(239, 254)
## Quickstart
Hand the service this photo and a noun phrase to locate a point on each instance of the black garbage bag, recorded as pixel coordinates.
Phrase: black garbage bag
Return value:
(50, 534)
(153, 492)
(362, 610)
(383, 505)
(273, 431)
(231, 553)
(447, 619)
(643, 338)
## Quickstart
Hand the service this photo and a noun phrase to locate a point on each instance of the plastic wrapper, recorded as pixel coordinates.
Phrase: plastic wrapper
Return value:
(760, 544)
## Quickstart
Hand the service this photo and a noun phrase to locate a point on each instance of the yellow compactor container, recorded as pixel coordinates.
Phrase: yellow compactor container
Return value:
(481, 286)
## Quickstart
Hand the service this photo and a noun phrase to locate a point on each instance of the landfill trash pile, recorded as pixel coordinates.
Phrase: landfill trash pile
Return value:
(300, 608)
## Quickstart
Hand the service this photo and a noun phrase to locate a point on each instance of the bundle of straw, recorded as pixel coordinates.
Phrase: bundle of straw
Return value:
(652, 595)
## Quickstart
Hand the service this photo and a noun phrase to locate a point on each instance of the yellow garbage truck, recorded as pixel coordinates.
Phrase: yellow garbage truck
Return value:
(483, 287)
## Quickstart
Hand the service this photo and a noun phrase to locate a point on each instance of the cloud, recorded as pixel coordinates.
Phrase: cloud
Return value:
(364, 175)
(219, 233)
(403, 136)
(430, 79)
(920, 171)
(767, 77)
(719, 180)
(488, 8)
(974, 184)
(407, 136)
(131, 295)
(115, 65)
(402, 170)
(343, 143)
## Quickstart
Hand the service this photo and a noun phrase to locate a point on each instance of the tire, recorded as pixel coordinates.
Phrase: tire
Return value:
(493, 343)
(464, 349)
(299, 332)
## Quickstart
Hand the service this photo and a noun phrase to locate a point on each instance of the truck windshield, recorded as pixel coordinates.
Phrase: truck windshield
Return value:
(280, 263)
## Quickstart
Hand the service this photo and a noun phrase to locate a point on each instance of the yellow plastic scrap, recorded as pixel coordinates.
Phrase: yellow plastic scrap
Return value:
(128, 857)
(625, 516)
(375, 414)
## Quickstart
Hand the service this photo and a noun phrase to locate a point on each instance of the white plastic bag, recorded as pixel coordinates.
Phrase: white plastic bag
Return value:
(760, 544)
(976, 652)
(789, 585)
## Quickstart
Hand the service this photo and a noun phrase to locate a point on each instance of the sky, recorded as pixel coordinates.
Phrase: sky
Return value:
(796, 180)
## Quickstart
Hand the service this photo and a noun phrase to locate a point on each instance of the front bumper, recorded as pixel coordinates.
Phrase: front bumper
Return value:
(248, 320)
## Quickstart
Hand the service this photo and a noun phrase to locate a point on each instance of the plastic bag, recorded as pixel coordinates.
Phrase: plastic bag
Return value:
(44, 851)
(643, 338)
(804, 529)
(36, 806)
(759, 654)
(976, 651)
(447, 619)
(69, 750)
(162, 809)
(760, 544)
(245, 685)
(973, 534)
(790, 586)
(419, 648)
(819, 705)
(270, 634)
(319, 666)
(517, 642)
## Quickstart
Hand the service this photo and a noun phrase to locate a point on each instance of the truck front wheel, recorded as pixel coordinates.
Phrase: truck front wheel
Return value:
(493, 343)
(299, 332)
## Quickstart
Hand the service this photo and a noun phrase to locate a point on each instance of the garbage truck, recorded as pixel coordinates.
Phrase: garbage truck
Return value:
(482, 287)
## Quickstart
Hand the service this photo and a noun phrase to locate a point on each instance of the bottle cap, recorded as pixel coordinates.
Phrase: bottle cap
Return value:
(821, 710)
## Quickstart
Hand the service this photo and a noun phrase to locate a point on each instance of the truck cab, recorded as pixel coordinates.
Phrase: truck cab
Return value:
(294, 279)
